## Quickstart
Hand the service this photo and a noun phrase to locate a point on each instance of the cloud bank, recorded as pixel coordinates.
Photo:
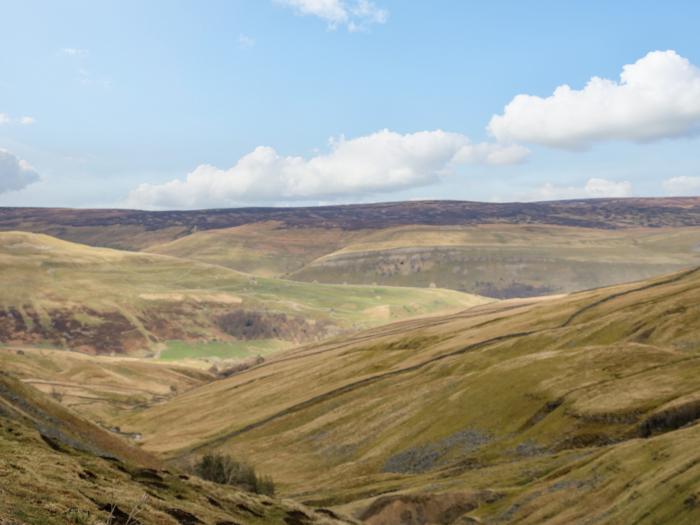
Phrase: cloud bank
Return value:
(656, 97)
(595, 188)
(380, 162)
(355, 15)
(682, 186)
(15, 173)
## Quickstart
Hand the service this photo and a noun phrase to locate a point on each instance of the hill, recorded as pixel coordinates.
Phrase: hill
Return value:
(56, 468)
(100, 300)
(136, 229)
(500, 250)
(495, 260)
(574, 409)
(100, 387)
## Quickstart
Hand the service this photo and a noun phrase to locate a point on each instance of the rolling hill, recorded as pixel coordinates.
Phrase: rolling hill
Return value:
(573, 409)
(137, 229)
(500, 250)
(106, 301)
(496, 260)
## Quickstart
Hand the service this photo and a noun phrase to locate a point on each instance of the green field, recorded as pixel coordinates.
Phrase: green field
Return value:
(179, 350)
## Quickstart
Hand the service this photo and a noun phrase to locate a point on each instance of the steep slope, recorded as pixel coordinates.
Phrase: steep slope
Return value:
(100, 300)
(58, 469)
(516, 407)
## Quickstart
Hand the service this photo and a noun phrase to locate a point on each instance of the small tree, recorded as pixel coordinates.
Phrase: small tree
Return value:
(224, 470)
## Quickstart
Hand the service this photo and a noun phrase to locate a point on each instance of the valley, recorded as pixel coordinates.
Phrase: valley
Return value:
(532, 395)
(349, 262)
(346, 362)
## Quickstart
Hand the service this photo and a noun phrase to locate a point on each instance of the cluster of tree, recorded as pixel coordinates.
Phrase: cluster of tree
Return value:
(223, 469)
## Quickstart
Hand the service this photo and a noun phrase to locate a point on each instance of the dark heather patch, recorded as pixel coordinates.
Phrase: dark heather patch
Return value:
(296, 517)
(183, 517)
(54, 444)
(118, 516)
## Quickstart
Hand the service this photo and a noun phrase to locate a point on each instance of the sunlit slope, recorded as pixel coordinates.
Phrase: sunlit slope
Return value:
(58, 469)
(105, 301)
(507, 260)
(499, 260)
(266, 249)
(500, 397)
(99, 387)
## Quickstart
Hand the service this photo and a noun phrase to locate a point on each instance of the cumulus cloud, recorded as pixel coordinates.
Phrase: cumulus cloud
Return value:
(593, 189)
(682, 185)
(380, 162)
(15, 173)
(656, 97)
(355, 15)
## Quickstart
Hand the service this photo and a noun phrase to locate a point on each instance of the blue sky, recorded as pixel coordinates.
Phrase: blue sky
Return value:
(190, 104)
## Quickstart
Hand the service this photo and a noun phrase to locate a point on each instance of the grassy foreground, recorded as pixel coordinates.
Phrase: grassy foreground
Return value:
(57, 469)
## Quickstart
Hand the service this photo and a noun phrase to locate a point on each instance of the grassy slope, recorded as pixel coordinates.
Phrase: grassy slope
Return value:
(100, 387)
(56, 468)
(266, 249)
(104, 300)
(511, 397)
(500, 260)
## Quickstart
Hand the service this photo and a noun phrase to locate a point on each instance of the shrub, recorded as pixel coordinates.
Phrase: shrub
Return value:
(224, 470)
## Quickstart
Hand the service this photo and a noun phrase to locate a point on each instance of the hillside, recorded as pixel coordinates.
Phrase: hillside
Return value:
(100, 387)
(572, 409)
(499, 250)
(108, 301)
(496, 260)
(56, 468)
(136, 229)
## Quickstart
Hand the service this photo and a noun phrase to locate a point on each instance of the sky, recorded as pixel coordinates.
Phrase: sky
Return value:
(182, 104)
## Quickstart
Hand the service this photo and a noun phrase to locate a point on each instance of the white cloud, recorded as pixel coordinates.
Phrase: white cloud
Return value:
(656, 97)
(683, 185)
(245, 41)
(380, 162)
(593, 189)
(7, 119)
(74, 51)
(355, 15)
(15, 173)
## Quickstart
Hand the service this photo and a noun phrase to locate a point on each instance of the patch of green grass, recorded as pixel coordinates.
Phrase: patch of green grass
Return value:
(178, 350)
